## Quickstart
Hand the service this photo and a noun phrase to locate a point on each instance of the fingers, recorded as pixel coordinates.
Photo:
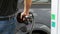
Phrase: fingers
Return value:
(22, 16)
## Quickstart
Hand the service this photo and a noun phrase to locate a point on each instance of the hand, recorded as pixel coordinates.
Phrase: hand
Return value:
(24, 14)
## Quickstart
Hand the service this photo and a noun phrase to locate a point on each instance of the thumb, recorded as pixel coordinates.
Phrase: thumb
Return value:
(21, 16)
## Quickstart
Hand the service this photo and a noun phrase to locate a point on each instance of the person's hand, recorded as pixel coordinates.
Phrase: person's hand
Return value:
(24, 14)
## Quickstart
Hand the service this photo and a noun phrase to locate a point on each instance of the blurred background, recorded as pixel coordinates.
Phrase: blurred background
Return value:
(42, 9)
(41, 1)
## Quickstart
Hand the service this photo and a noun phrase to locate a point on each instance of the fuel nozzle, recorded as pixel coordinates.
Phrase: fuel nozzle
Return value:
(28, 19)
